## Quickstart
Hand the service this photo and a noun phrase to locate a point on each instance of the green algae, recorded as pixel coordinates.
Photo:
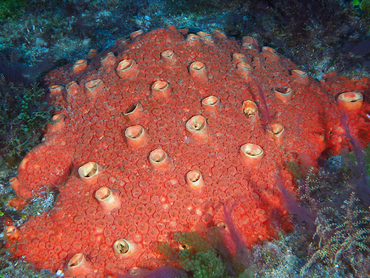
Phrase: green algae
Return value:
(23, 115)
(12, 9)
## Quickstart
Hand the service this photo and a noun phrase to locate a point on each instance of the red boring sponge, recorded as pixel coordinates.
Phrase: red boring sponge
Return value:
(159, 133)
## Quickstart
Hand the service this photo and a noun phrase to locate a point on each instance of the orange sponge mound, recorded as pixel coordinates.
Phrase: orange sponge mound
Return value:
(159, 132)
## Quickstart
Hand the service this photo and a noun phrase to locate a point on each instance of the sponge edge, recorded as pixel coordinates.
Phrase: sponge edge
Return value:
(47, 166)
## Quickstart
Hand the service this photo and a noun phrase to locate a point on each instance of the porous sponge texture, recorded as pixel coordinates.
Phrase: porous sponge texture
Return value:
(156, 203)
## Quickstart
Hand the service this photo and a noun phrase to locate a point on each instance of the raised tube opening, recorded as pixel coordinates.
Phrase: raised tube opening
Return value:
(203, 34)
(134, 132)
(93, 87)
(197, 66)
(168, 57)
(135, 136)
(57, 117)
(238, 58)
(160, 85)
(136, 271)
(161, 89)
(57, 123)
(198, 72)
(251, 154)
(103, 193)
(197, 123)
(250, 109)
(20, 190)
(124, 248)
(131, 108)
(125, 64)
(133, 111)
(284, 94)
(350, 101)
(158, 155)
(78, 266)
(300, 76)
(107, 200)
(299, 73)
(56, 90)
(93, 84)
(79, 66)
(276, 132)
(283, 91)
(92, 53)
(80, 62)
(243, 69)
(351, 97)
(108, 60)
(211, 102)
(76, 260)
(197, 127)
(252, 150)
(88, 170)
(268, 49)
(194, 179)
(275, 128)
(193, 40)
(167, 54)
(249, 43)
(72, 89)
(159, 159)
(244, 66)
(127, 69)
(135, 34)
(219, 34)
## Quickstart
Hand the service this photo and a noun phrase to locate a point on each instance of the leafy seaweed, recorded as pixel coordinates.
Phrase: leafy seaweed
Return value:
(220, 252)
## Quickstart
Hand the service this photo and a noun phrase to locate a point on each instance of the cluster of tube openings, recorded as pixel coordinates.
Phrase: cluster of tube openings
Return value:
(196, 127)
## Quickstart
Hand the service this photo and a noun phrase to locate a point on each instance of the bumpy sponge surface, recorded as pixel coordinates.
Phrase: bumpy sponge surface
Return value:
(175, 126)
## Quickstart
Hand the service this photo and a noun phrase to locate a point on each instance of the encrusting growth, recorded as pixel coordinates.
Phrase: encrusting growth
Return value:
(157, 134)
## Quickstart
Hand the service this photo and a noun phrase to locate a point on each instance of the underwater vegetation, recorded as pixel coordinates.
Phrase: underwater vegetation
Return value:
(24, 110)
(363, 7)
(220, 252)
(12, 9)
(352, 159)
(23, 115)
(342, 235)
(337, 200)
